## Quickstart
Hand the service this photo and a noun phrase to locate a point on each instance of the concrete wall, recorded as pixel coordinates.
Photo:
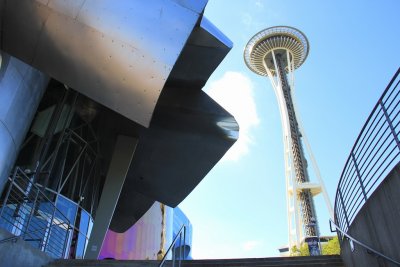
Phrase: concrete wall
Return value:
(17, 253)
(377, 225)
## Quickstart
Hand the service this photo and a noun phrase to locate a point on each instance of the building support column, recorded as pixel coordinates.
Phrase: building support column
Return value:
(120, 162)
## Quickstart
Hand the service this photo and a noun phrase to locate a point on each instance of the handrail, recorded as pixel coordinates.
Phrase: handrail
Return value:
(29, 202)
(14, 237)
(360, 243)
(375, 152)
(179, 234)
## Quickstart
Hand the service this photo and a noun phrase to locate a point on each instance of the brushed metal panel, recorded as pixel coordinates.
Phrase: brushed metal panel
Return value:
(22, 26)
(44, 2)
(21, 89)
(66, 7)
(119, 76)
(209, 27)
(117, 54)
(196, 6)
(7, 155)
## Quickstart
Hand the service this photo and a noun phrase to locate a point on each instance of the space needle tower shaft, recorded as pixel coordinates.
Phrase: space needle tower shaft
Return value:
(305, 198)
(276, 52)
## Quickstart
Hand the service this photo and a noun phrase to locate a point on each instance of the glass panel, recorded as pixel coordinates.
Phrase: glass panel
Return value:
(89, 230)
(67, 208)
(80, 248)
(83, 228)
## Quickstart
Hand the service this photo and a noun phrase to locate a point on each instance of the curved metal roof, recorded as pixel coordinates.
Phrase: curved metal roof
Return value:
(120, 55)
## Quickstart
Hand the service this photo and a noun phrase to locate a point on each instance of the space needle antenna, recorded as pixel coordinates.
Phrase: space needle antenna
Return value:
(276, 52)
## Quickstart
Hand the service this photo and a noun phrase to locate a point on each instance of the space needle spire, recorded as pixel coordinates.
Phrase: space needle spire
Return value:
(276, 52)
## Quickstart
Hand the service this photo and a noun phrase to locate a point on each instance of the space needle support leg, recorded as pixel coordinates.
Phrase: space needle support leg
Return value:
(121, 160)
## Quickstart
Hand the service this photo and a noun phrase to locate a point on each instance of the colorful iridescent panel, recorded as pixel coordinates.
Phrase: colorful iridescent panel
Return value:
(150, 237)
(144, 240)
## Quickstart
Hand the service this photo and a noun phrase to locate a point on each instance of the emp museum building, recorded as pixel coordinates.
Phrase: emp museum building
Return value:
(104, 127)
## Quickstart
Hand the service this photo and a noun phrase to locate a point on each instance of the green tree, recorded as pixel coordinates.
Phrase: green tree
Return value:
(303, 251)
(332, 247)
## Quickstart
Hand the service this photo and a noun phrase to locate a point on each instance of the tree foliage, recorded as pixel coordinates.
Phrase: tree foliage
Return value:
(302, 251)
(332, 247)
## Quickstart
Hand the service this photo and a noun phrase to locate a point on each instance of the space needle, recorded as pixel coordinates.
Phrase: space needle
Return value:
(276, 52)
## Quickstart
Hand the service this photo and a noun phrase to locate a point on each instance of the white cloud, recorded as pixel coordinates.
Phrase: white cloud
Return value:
(259, 4)
(247, 19)
(250, 245)
(251, 22)
(234, 92)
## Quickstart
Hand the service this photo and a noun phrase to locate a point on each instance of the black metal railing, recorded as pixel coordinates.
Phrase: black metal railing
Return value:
(375, 152)
(353, 241)
(28, 213)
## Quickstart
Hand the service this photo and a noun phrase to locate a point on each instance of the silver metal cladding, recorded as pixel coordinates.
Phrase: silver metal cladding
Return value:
(120, 55)
(21, 89)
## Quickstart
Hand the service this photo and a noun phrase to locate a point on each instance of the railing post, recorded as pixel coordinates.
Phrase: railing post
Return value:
(172, 246)
(359, 176)
(50, 228)
(184, 241)
(344, 209)
(173, 257)
(32, 211)
(64, 250)
(389, 121)
(180, 249)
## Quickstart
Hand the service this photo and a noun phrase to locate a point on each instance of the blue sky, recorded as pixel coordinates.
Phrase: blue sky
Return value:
(239, 209)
